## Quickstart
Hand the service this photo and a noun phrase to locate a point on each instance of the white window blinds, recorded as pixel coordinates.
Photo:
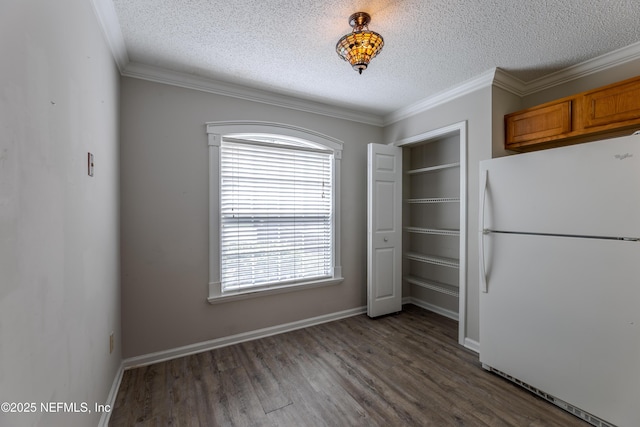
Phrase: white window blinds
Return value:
(276, 214)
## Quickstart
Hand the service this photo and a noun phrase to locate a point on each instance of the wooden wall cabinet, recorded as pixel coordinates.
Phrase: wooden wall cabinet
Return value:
(615, 105)
(577, 118)
(547, 121)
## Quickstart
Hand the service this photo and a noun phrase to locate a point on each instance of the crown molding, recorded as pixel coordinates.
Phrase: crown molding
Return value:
(483, 80)
(502, 79)
(601, 63)
(190, 81)
(110, 24)
(506, 81)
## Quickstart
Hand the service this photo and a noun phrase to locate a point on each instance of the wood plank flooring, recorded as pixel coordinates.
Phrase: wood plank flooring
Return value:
(400, 370)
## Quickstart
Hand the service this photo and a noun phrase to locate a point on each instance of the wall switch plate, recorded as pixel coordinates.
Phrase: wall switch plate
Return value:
(90, 164)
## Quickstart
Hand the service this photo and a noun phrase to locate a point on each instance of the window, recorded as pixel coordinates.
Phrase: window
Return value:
(275, 214)
(274, 209)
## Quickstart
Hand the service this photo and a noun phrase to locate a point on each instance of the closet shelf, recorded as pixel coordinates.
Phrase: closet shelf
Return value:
(437, 231)
(433, 168)
(431, 259)
(434, 286)
(434, 200)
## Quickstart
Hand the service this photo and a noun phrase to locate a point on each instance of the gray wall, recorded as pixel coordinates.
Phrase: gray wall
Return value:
(59, 228)
(164, 190)
(475, 108)
(502, 102)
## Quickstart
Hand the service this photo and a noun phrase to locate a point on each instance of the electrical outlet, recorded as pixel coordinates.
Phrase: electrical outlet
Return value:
(111, 343)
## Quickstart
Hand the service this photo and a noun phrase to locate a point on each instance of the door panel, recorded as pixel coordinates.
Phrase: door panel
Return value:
(384, 221)
(585, 189)
(385, 269)
(384, 230)
(561, 314)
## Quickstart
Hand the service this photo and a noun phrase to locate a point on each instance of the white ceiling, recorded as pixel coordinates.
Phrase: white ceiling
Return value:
(288, 46)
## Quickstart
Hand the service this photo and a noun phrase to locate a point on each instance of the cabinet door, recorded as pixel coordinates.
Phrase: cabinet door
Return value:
(538, 123)
(612, 105)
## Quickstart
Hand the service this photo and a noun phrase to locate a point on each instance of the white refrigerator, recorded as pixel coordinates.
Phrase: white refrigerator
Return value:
(560, 276)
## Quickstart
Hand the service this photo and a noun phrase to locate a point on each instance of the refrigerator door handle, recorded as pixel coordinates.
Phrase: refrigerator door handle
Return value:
(483, 231)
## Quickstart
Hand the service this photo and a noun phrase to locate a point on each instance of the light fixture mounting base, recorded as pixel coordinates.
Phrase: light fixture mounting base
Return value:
(359, 19)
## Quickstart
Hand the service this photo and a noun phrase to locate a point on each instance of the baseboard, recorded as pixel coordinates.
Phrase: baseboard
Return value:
(472, 345)
(439, 310)
(111, 397)
(161, 356)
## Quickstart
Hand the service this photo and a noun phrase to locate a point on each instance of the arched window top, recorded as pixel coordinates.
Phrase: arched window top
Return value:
(273, 139)
(287, 134)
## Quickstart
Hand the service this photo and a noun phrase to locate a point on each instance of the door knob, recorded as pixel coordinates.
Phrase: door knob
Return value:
(386, 239)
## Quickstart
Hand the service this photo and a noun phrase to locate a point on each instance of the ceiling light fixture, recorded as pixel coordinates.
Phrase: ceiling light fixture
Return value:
(361, 45)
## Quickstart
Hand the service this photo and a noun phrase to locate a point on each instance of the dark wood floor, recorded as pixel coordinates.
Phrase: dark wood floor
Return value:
(400, 370)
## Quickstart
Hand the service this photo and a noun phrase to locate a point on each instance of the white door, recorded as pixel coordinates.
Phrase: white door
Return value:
(384, 230)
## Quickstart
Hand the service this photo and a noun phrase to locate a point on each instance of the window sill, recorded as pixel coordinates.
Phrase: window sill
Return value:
(246, 294)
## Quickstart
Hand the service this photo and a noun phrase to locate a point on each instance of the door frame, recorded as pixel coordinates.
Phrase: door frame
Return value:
(460, 129)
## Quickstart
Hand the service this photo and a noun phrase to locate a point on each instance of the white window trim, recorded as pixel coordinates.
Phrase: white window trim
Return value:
(216, 131)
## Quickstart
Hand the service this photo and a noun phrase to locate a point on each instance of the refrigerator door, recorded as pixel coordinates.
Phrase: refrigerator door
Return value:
(585, 189)
(563, 315)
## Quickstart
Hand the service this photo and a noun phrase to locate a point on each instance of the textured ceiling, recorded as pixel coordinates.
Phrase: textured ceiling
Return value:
(288, 46)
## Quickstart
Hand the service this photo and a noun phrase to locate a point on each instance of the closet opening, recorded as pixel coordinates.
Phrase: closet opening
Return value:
(434, 222)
